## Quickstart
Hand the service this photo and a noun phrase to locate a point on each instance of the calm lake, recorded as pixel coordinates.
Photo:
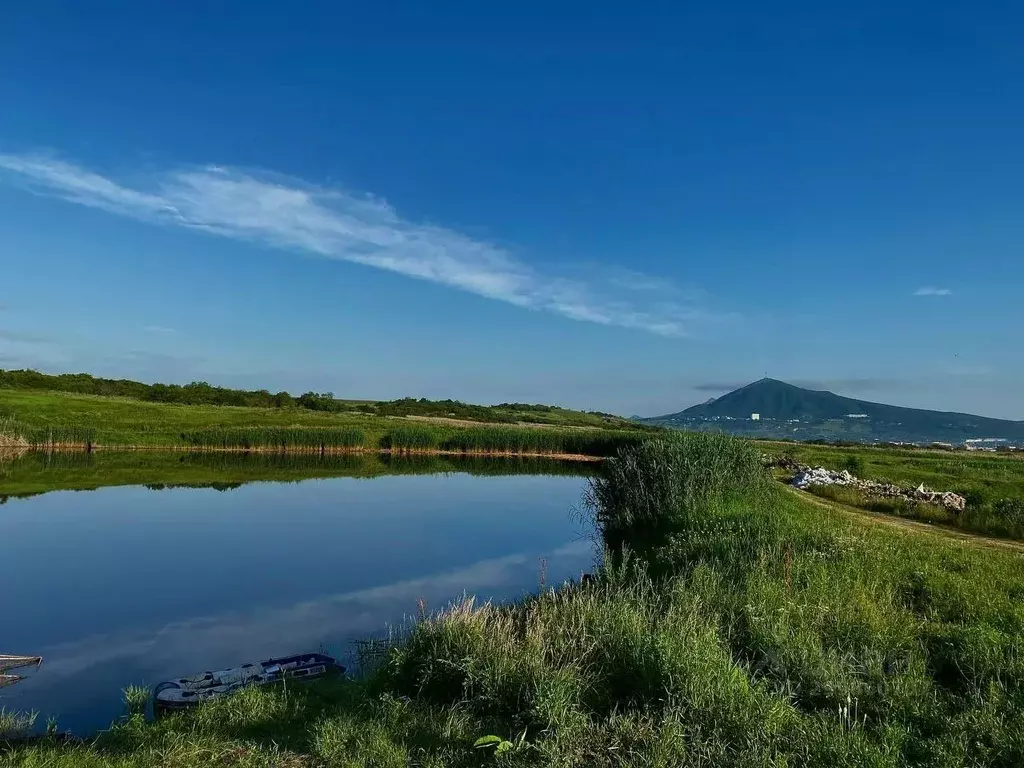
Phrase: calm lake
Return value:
(132, 585)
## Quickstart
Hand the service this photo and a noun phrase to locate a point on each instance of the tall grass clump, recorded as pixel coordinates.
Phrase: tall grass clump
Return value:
(11, 433)
(16, 434)
(412, 439)
(660, 484)
(60, 436)
(14, 725)
(284, 438)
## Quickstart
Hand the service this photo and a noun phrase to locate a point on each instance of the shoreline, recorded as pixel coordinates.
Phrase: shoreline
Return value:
(302, 450)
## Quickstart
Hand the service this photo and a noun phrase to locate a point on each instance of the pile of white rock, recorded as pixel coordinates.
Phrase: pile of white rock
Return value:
(806, 477)
(821, 476)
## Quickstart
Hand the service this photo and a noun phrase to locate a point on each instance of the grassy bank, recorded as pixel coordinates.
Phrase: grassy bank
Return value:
(200, 393)
(992, 484)
(739, 626)
(49, 419)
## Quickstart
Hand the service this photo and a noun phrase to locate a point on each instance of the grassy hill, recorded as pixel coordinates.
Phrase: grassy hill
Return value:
(202, 393)
(62, 420)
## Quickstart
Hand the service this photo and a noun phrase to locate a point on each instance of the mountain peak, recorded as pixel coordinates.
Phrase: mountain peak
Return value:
(775, 399)
(786, 410)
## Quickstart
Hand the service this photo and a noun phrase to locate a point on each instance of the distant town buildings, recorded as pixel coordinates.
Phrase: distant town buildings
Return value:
(985, 443)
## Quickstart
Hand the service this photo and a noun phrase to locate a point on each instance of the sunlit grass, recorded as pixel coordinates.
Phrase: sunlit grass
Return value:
(992, 484)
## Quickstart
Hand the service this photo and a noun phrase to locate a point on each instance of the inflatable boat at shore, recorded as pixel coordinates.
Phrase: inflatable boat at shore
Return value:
(189, 691)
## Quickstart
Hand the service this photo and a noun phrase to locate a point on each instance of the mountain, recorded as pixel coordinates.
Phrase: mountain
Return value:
(785, 410)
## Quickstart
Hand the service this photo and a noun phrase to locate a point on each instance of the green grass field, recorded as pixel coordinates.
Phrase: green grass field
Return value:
(119, 421)
(992, 483)
(205, 394)
(990, 474)
(739, 626)
(47, 418)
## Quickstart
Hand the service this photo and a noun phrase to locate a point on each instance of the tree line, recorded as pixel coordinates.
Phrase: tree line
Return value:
(196, 393)
(203, 393)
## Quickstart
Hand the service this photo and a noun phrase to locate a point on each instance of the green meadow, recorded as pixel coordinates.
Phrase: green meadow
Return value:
(59, 420)
(991, 483)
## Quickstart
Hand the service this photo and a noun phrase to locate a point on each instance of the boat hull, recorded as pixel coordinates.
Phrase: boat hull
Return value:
(187, 692)
(8, 662)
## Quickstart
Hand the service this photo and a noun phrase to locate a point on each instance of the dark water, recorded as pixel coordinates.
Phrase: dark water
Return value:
(129, 585)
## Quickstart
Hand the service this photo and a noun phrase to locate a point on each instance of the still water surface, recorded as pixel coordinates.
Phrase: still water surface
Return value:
(129, 585)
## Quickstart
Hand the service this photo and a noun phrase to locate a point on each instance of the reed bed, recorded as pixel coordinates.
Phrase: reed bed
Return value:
(278, 438)
(525, 440)
(14, 434)
(490, 439)
(417, 438)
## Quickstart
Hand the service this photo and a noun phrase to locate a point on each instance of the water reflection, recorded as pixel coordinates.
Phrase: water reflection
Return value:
(29, 473)
(125, 585)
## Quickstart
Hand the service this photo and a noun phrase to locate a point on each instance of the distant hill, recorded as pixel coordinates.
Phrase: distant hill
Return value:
(202, 393)
(785, 410)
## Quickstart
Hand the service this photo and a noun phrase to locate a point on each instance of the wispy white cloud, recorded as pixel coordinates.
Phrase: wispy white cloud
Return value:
(363, 229)
(158, 329)
(931, 291)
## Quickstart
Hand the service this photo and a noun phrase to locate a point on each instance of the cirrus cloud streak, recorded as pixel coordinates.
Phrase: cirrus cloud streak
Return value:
(333, 223)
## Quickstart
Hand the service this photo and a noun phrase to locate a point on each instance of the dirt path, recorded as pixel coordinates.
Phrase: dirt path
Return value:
(880, 518)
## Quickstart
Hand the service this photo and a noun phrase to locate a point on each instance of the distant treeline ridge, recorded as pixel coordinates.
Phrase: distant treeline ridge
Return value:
(202, 393)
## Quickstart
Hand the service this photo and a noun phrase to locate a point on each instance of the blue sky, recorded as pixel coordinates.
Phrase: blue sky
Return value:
(628, 207)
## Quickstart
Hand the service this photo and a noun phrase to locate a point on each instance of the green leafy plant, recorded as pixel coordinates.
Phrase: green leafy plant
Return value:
(501, 746)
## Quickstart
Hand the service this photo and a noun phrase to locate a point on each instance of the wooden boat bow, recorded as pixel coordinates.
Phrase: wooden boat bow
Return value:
(8, 662)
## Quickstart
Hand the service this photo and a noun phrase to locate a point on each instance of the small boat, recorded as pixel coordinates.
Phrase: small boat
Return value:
(188, 691)
(8, 663)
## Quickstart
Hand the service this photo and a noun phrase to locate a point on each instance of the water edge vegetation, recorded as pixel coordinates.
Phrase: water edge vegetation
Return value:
(53, 420)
